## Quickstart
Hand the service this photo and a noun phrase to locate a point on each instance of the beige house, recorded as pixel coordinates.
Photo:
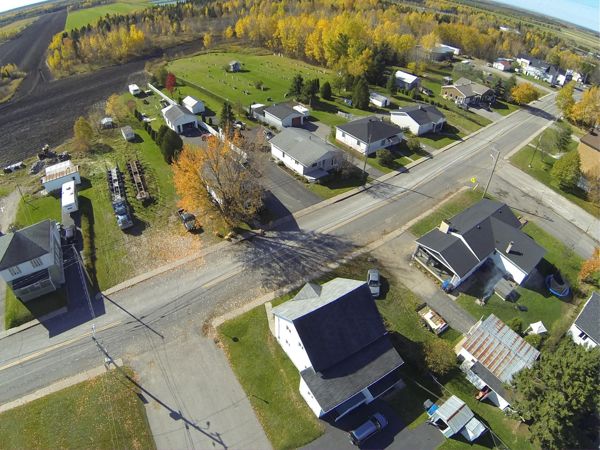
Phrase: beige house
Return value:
(589, 152)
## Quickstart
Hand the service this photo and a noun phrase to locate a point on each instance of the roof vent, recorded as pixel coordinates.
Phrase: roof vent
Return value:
(444, 227)
(509, 247)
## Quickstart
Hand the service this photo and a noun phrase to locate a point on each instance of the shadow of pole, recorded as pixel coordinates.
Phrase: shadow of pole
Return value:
(132, 315)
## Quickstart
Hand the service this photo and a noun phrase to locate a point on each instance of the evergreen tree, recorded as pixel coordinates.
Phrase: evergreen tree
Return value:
(296, 87)
(226, 118)
(360, 95)
(391, 84)
(326, 91)
(171, 144)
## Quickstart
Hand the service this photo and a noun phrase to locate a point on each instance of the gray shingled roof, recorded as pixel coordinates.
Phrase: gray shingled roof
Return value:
(346, 379)
(588, 319)
(485, 227)
(25, 245)
(282, 110)
(335, 321)
(499, 349)
(490, 379)
(302, 145)
(423, 114)
(469, 88)
(370, 129)
(174, 112)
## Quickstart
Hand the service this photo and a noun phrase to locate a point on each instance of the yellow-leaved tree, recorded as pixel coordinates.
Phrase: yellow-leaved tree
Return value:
(215, 176)
(524, 93)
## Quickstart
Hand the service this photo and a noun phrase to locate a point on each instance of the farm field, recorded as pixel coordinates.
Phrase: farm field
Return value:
(82, 17)
(12, 29)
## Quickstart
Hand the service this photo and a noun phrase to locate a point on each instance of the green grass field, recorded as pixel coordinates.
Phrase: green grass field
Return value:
(17, 313)
(541, 166)
(82, 17)
(102, 413)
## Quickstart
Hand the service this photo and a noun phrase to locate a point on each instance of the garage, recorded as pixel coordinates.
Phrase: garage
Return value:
(297, 122)
(179, 119)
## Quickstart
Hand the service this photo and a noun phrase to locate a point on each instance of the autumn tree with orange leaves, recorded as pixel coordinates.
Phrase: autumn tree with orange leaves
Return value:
(590, 269)
(215, 176)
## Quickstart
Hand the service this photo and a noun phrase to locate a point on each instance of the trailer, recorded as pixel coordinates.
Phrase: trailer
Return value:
(59, 174)
(68, 200)
(116, 187)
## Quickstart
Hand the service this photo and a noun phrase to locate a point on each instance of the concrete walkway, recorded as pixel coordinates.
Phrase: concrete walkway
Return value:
(396, 257)
(194, 399)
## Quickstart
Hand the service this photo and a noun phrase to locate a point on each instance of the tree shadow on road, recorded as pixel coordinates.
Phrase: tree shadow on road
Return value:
(285, 257)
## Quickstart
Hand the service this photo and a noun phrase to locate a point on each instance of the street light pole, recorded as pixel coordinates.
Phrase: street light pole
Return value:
(535, 150)
(492, 172)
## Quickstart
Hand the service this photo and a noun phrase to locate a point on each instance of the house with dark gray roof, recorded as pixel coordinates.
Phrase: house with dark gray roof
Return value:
(491, 355)
(369, 134)
(281, 115)
(586, 328)
(467, 92)
(31, 260)
(305, 153)
(486, 231)
(179, 118)
(419, 119)
(335, 337)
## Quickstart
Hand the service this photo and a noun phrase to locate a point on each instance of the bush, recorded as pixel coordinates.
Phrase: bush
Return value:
(413, 144)
(326, 91)
(535, 340)
(161, 132)
(516, 324)
(385, 157)
(439, 356)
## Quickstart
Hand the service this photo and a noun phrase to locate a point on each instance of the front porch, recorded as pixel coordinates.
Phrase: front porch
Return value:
(433, 265)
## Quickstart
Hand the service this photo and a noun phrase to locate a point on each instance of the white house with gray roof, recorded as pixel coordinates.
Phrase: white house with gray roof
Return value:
(369, 134)
(305, 153)
(31, 260)
(179, 118)
(335, 337)
(405, 80)
(491, 355)
(586, 328)
(419, 119)
(453, 417)
(486, 231)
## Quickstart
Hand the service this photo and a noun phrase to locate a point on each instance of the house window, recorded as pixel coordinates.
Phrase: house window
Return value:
(583, 336)
(383, 142)
(36, 262)
(343, 134)
(14, 270)
(314, 165)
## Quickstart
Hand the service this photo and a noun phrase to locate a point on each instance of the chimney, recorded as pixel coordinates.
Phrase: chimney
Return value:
(509, 247)
(444, 227)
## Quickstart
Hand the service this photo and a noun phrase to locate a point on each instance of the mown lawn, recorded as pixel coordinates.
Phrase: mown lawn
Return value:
(541, 166)
(82, 17)
(449, 209)
(17, 313)
(102, 413)
(504, 108)
(335, 186)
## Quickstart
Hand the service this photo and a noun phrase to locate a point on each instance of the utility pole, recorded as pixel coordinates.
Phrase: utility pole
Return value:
(535, 150)
(493, 169)
(365, 176)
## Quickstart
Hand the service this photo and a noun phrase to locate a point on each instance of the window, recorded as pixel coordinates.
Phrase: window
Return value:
(14, 270)
(383, 142)
(583, 336)
(314, 165)
(357, 142)
(36, 262)
(343, 134)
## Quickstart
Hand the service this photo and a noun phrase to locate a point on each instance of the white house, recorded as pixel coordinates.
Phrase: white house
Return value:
(134, 89)
(68, 198)
(178, 118)
(193, 105)
(281, 115)
(586, 330)
(305, 153)
(486, 231)
(379, 100)
(128, 133)
(505, 65)
(58, 174)
(31, 260)
(406, 80)
(335, 337)
(419, 119)
(369, 134)
(455, 50)
(453, 417)
(491, 355)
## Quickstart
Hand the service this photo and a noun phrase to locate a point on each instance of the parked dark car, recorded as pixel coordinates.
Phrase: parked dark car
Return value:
(375, 424)
(188, 219)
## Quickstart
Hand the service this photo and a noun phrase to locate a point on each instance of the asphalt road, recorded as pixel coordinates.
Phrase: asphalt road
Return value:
(179, 301)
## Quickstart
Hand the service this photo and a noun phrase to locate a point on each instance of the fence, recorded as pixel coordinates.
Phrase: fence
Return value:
(163, 96)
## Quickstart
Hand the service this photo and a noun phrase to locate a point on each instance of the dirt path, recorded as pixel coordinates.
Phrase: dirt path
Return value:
(8, 210)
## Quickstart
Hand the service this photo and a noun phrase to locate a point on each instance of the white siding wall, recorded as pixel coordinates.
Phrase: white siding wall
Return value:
(273, 121)
(508, 266)
(310, 399)
(360, 146)
(55, 185)
(405, 121)
(288, 160)
(574, 331)
(290, 342)
(26, 268)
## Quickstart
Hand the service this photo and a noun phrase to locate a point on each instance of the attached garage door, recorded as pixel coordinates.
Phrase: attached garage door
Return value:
(297, 122)
(187, 126)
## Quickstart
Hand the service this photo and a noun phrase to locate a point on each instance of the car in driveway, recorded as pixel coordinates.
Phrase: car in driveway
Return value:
(188, 219)
(372, 426)
(374, 282)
